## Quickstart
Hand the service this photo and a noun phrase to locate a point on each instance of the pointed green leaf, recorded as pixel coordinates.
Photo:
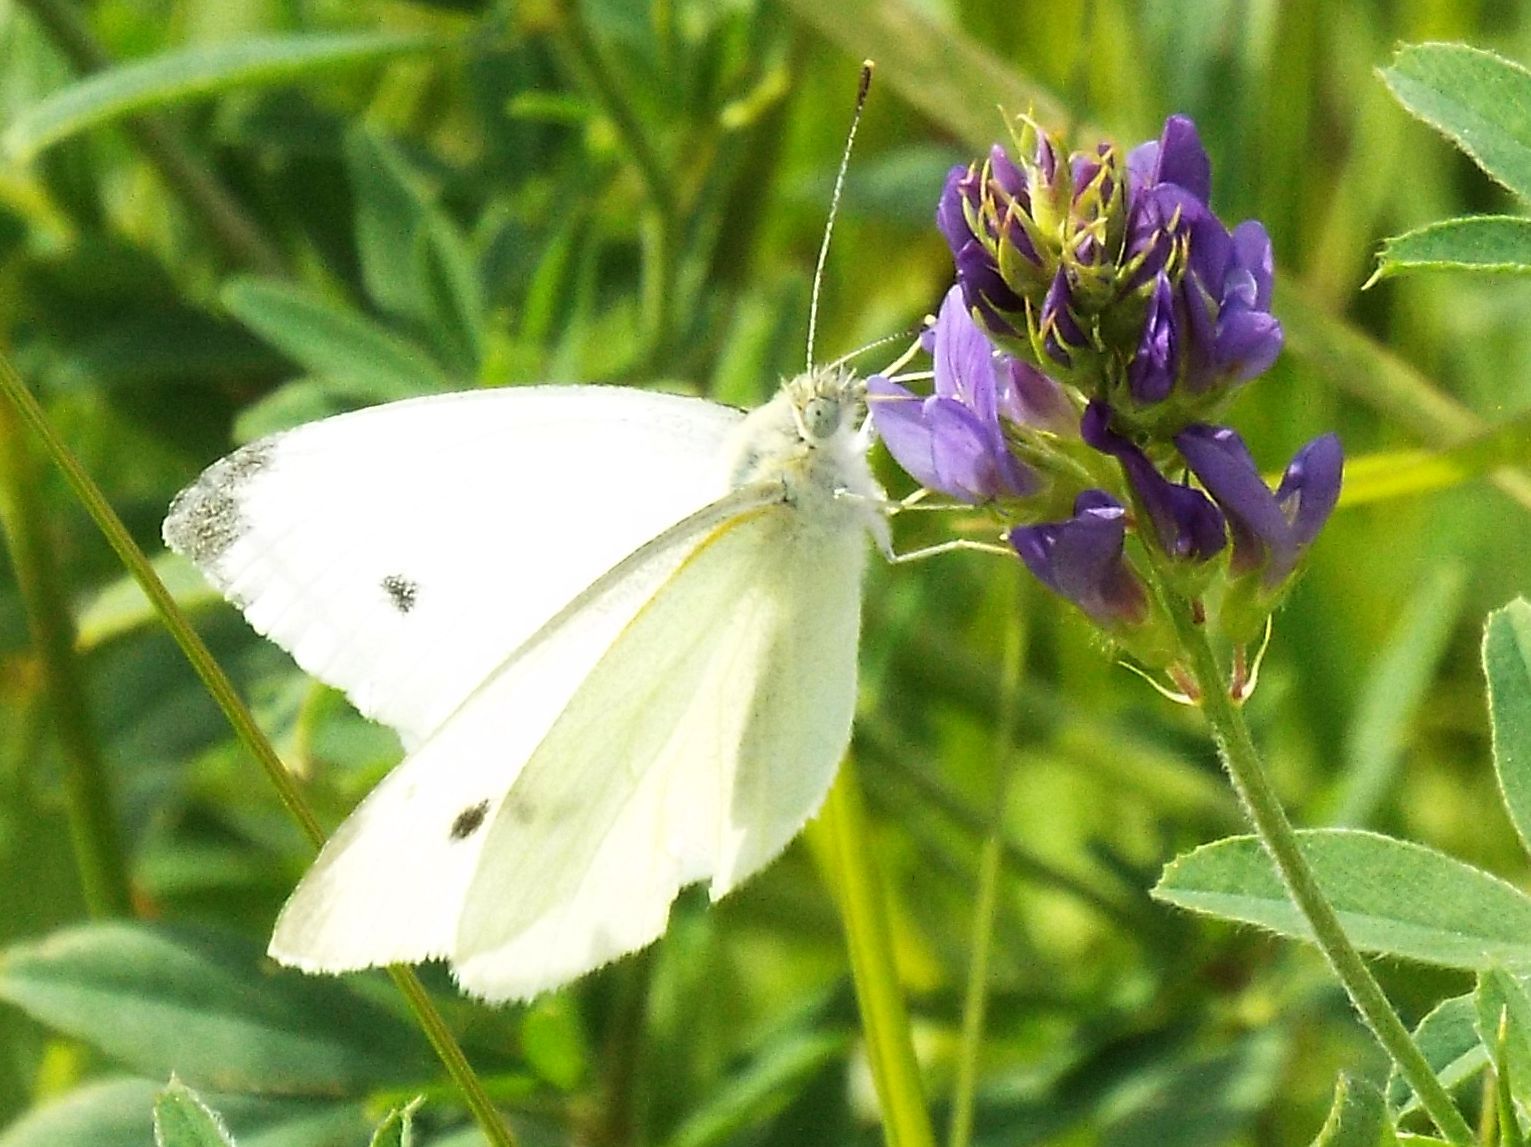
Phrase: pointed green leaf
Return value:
(121, 606)
(181, 1119)
(1480, 101)
(1504, 1024)
(449, 280)
(1400, 473)
(193, 73)
(391, 207)
(1448, 1039)
(397, 1129)
(210, 1008)
(1507, 664)
(1392, 896)
(1498, 243)
(760, 1090)
(332, 340)
(111, 1113)
(946, 74)
(1395, 687)
(1358, 1118)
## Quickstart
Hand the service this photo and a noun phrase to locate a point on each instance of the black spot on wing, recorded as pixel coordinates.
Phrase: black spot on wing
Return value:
(206, 518)
(401, 591)
(469, 821)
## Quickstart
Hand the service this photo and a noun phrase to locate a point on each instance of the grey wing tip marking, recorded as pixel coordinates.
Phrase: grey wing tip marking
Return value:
(205, 518)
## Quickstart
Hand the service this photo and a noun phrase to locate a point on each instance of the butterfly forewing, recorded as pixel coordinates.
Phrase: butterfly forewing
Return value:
(402, 552)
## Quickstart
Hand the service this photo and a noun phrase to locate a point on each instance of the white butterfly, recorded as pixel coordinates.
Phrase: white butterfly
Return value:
(616, 631)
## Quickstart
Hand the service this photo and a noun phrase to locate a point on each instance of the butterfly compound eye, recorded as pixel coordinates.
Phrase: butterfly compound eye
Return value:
(821, 417)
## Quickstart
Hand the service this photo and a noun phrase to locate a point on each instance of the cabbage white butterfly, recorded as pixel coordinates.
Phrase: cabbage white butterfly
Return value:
(615, 630)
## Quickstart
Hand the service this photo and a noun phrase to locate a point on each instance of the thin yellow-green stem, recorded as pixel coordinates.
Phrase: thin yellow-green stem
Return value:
(1241, 760)
(976, 999)
(245, 728)
(89, 806)
(844, 847)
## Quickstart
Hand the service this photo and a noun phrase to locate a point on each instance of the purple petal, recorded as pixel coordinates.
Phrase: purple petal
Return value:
(1009, 178)
(1151, 375)
(1061, 331)
(1262, 536)
(944, 446)
(1186, 524)
(1182, 160)
(898, 416)
(1247, 343)
(1311, 486)
(1252, 251)
(951, 215)
(1082, 560)
(1030, 398)
(964, 358)
(985, 291)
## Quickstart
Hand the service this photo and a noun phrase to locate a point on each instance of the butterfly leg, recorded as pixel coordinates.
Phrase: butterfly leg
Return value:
(948, 547)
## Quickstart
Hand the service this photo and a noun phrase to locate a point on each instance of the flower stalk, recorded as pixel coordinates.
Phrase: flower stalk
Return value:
(1240, 759)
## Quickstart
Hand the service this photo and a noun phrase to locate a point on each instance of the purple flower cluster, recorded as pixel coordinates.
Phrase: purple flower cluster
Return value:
(1101, 319)
(1059, 260)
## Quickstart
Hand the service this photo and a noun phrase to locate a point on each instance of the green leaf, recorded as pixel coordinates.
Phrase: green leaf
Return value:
(1400, 473)
(1480, 101)
(331, 340)
(762, 1089)
(193, 73)
(1358, 1118)
(113, 1113)
(553, 1041)
(1394, 690)
(937, 69)
(1507, 664)
(450, 284)
(1504, 1024)
(296, 402)
(1448, 1039)
(181, 1119)
(391, 207)
(397, 1129)
(1500, 243)
(121, 607)
(210, 1008)
(1393, 897)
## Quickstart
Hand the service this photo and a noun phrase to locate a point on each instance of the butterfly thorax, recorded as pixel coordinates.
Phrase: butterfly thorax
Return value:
(809, 439)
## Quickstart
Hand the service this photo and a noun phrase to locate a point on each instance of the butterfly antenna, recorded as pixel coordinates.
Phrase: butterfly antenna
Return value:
(897, 336)
(834, 205)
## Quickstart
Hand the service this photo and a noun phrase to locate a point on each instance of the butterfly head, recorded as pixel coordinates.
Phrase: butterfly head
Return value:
(823, 403)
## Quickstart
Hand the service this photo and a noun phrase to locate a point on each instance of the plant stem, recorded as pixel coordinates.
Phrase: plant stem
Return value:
(93, 827)
(1263, 808)
(986, 906)
(192, 181)
(845, 851)
(14, 391)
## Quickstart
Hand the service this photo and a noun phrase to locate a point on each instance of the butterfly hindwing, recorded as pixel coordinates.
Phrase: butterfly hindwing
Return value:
(695, 749)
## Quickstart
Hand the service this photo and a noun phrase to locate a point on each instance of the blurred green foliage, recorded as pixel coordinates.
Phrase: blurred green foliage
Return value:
(606, 190)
